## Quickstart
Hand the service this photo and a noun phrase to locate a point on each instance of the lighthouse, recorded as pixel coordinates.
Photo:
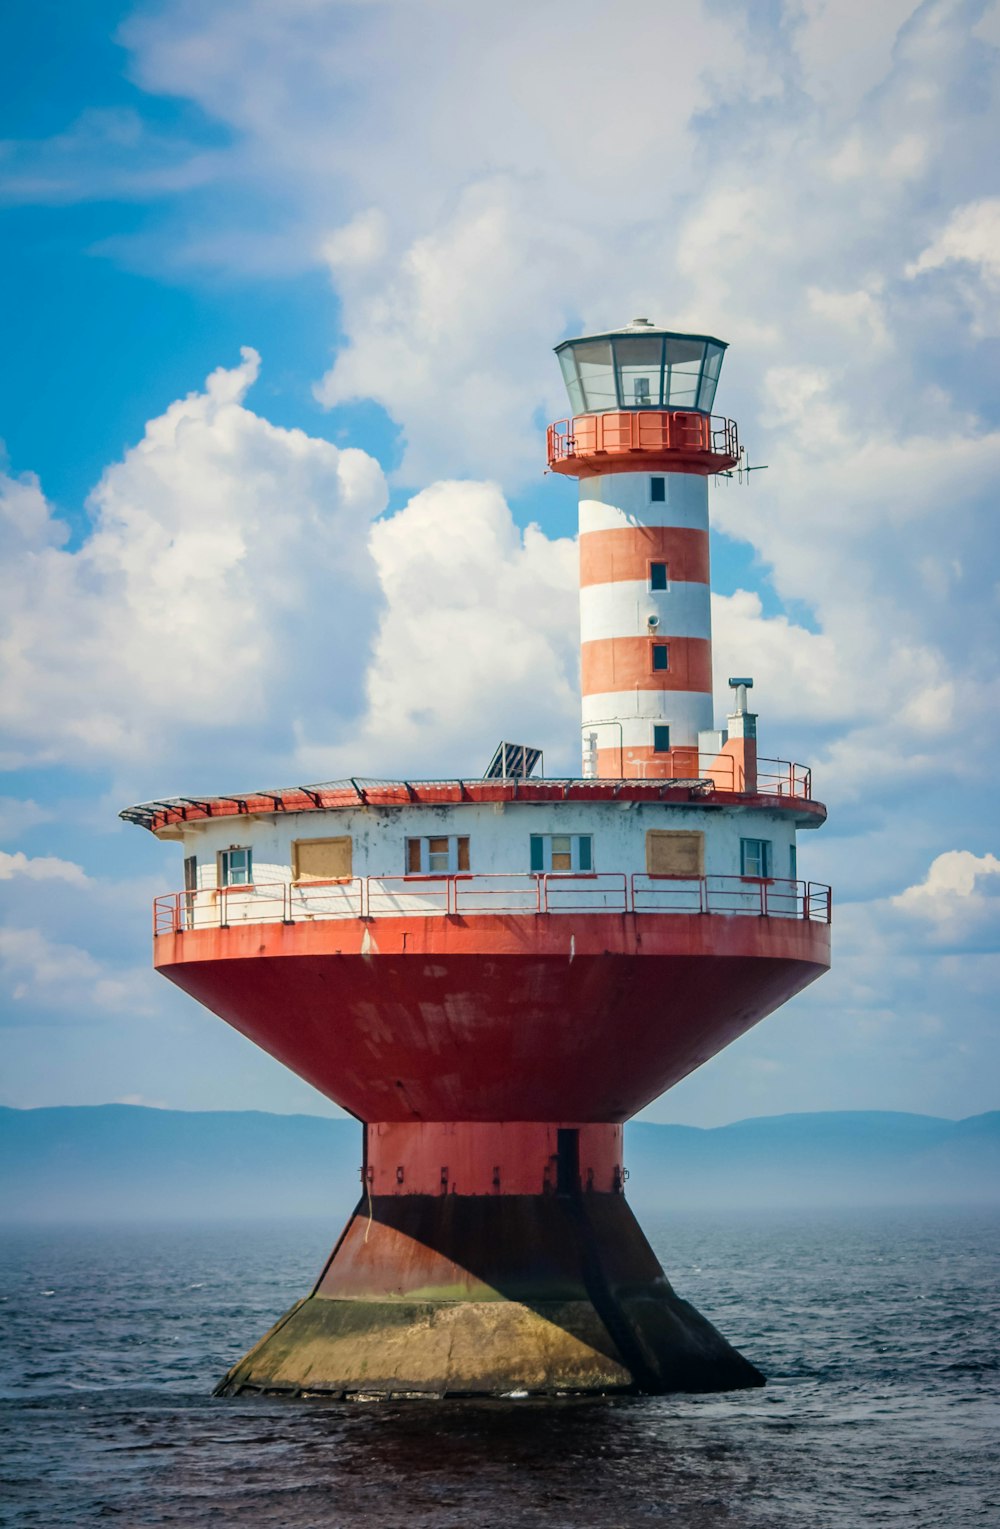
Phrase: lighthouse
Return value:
(494, 973)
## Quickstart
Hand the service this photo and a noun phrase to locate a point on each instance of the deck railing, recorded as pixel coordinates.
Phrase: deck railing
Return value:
(619, 431)
(377, 897)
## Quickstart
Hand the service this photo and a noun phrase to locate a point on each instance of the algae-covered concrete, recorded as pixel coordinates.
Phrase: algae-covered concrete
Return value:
(466, 1295)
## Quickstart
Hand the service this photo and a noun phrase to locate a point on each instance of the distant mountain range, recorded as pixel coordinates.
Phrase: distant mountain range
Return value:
(120, 1161)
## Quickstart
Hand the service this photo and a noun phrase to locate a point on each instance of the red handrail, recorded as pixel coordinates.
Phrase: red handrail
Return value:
(499, 892)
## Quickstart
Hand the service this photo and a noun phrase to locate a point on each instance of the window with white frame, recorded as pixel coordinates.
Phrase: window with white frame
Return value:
(755, 857)
(562, 852)
(437, 855)
(236, 866)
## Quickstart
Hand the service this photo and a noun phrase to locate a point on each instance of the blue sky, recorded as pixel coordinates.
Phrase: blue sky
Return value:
(281, 285)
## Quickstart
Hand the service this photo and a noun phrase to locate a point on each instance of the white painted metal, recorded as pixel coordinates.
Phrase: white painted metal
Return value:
(690, 711)
(623, 609)
(618, 500)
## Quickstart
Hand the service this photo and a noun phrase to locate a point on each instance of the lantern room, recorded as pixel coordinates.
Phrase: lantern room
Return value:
(641, 367)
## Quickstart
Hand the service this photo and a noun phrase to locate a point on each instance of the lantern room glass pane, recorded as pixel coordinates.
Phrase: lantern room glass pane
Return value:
(683, 360)
(710, 377)
(597, 375)
(639, 361)
(572, 381)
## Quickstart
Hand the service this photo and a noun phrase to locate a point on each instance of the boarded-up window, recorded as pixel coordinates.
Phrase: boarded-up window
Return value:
(322, 859)
(673, 853)
(414, 862)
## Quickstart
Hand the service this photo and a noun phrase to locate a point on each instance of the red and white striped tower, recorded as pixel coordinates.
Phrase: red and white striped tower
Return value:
(643, 443)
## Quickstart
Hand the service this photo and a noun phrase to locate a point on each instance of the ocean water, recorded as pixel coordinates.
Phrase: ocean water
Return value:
(879, 1332)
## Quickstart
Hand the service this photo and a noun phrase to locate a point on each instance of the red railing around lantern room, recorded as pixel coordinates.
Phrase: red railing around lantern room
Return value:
(683, 433)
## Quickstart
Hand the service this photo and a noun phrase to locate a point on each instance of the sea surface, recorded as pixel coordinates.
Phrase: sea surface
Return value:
(879, 1332)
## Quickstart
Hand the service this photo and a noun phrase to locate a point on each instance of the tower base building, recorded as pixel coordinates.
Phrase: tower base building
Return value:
(494, 975)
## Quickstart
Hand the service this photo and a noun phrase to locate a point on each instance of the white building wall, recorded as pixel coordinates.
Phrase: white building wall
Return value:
(499, 835)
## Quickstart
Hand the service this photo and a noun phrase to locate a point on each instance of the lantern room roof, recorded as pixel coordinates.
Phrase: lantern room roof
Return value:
(642, 327)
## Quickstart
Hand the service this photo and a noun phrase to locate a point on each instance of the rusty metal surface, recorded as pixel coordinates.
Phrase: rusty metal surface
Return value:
(585, 1018)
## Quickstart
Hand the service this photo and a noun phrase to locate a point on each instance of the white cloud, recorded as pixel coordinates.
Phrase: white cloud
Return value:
(226, 590)
(959, 899)
(42, 974)
(971, 236)
(40, 868)
(479, 640)
(17, 815)
(968, 247)
(437, 335)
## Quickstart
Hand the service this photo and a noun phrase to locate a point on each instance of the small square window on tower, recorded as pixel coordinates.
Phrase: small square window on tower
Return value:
(658, 490)
(657, 575)
(661, 656)
(661, 738)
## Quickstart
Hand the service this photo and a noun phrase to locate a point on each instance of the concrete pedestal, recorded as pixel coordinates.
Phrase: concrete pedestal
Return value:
(485, 1295)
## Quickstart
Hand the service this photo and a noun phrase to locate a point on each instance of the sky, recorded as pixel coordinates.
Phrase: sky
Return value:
(281, 284)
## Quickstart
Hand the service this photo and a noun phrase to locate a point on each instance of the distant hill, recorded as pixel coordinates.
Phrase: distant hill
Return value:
(119, 1161)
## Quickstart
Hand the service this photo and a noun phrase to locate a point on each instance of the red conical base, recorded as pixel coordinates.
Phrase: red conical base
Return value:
(494, 1293)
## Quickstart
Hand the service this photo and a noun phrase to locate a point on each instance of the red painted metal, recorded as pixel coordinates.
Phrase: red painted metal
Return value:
(582, 1016)
(645, 440)
(339, 795)
(625, 553)
(511, 1157)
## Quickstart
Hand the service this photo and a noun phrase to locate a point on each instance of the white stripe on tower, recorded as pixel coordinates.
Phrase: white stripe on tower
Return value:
(645, 621)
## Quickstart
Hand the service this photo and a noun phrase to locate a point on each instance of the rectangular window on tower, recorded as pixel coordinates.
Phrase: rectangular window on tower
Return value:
(437, 855)
(657, 575)
(562, 852)
(793, 863)
(661, 738)
(657, 490)
(660, 657)
(755, 858)
(236, 867)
